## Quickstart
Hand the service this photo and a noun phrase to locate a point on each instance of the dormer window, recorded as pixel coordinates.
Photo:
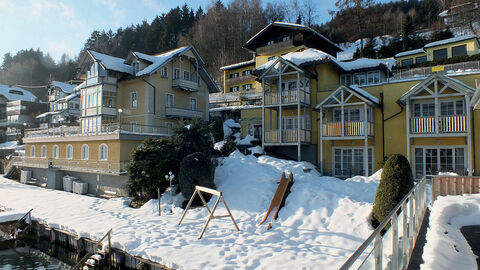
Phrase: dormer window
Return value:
(93, 70)
(135, 67)
(271, 42)
(16, 92)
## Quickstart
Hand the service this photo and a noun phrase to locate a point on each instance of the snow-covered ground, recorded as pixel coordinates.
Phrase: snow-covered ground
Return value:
(8, 145)
(322, 223)
(446, 248)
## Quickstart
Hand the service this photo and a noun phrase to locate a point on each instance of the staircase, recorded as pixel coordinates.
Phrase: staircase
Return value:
(11, 165)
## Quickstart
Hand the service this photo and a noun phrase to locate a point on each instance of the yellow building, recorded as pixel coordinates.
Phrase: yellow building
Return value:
(123, 102)
(346, 116)
(438, 50)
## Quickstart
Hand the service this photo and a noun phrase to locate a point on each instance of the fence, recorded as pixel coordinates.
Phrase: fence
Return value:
(454, 185)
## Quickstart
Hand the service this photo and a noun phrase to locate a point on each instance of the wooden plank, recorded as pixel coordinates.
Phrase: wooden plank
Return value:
(209, 190)
(443, 188)
(476, 185)
(451, 184)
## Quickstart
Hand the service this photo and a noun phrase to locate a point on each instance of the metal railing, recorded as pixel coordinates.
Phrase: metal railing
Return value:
(288, 97)
(407, 73)
(405, 221)
(288, 135)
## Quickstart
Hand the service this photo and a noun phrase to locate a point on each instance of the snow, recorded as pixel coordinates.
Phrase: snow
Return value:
(237, 65)
(111, 62)
(446, 248)
(364, 93)
(245, 141)
(8, 92)
(231, 108)
(323, 221)
(69, 97)
(67, 88)
(448, 173)
(410, 52)
(10, 216)
(8, 145)
(160, 59)
(349, 48)
(256, 150)
(449, 40)
(232, 124)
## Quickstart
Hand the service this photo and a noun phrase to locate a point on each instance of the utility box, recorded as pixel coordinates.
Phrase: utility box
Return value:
(54, 179)
(25, 176)
(79, 187)
(68, 183)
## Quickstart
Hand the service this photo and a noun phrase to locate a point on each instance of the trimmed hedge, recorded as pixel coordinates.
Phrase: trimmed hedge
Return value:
(395, 182)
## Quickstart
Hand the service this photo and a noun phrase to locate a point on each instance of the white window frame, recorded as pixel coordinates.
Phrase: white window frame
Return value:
(438, 147)
(103, 152)
(69, 152)
(169, 126)
(172, 100)
(247, 86)
(421, 103)
(43, 151)
(133, 99)
(234, 89)
(371, 166)
(133, 126)
(186, 75)
(164, 72)
(56, 151)
(454, 100)
(176, 73)
(85, 152)
(32, 151)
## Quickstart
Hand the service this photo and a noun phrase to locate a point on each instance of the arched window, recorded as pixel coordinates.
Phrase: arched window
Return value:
(103, 152)
(44, 151)
(69, 151)
(85, 152)
(32, 151)
(56, 151)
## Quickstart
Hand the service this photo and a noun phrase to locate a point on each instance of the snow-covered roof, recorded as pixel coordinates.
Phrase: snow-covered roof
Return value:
(111, 62)
(450, 40)
(45, 114)
(12, 93)
(313, 55)
(80, 86)
(364, 93)
(238, 65)
(231, 108)
(67, 88)
(69, 97)
(411, 52)
(159, 60)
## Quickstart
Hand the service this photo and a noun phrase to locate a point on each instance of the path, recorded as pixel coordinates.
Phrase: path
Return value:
(416, 258)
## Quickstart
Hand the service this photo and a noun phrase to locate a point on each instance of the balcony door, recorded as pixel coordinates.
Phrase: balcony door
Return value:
(432, 160)
(349, 161)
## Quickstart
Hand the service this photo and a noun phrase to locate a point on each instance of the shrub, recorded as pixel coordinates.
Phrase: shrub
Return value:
(395, 182)
(150, 163)
(195, 169)
(192, 137)
(228, 147)
(216, 128)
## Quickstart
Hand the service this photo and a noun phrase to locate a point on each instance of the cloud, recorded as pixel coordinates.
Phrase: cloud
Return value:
(155, 5)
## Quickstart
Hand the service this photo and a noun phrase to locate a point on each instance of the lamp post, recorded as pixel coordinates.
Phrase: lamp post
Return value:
(169, 177)
(119, 119)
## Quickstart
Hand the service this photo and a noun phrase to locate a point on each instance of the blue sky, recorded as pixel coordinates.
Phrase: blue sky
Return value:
(63, 26)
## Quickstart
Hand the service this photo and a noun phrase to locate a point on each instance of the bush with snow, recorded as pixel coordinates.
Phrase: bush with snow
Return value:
(395, 182)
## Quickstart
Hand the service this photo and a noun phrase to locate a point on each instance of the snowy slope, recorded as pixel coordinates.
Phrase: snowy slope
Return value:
(324, 219)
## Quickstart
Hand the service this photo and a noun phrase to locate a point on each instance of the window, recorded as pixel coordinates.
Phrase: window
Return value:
(246, 72)
(110, 102)
(43, 151)
(133, 99)
(359, 78)
(133, 126)
(169, 101)
(270, 42)
(193, 104)
(69, 153)
(85, 152)
(459, 50)
(420, 59)
(424, 109)
(186, 75)
(103, 152)
(286, 38)
(234, 89)
(431, 160)
(93, 70)
(407, 62)
(349, 161)
(32, 151)
(440, 54)
(169, 127)
(176, 73)
(164, 72)
(373, 77)
(56, 151)
(451, 108)
(346, 79)
(135, 67)
(247, 86)
(271, 58)
(233, 75)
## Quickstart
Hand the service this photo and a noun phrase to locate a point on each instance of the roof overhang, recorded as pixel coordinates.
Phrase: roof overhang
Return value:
(363, 96)
(281, 60)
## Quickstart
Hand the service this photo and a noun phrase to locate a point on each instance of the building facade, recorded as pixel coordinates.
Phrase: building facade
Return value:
(122, 102)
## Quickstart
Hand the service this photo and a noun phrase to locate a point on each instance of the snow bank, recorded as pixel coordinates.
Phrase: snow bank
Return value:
(8, 145)
(446, 248)
(322, 223)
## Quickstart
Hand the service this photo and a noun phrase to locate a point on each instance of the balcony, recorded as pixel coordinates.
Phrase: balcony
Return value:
(288, 136)
(446, 124)
(279, 46)
(109, 111)
(187, 85)
(179, 112)
(350, 129)
(93, 166)
(240, 80)
(288, 97)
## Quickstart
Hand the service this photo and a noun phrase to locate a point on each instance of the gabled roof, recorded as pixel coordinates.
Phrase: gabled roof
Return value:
(238, 65)
(69, 97)
(12, 93)
(452, 83)
(159, 60)
(110, 62)
(250, 44)
(411, 52)
(354, 90)
(66, 88)
(280, 60)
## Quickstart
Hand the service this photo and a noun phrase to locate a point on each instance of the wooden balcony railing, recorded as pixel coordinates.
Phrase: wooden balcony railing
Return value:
(240, 79)
(288, 136)
(351, 128)
(288, 97)
(179, 112)
(279, 46)
(446, 124)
